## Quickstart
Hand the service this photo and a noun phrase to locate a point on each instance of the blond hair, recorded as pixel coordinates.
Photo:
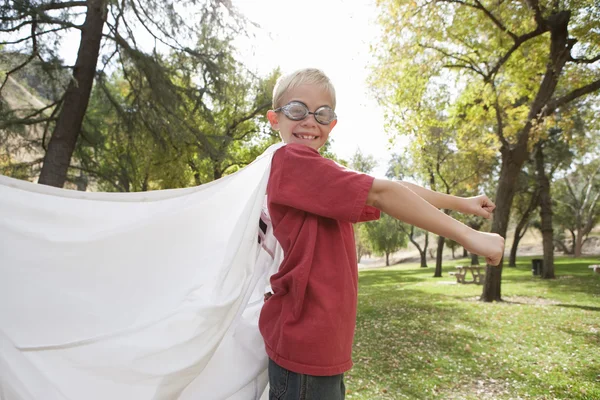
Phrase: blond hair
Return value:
(307, 76)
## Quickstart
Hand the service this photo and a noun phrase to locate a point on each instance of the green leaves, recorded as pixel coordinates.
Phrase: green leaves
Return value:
(385, 235)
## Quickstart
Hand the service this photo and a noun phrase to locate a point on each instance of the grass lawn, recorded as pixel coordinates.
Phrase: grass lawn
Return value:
(420, 337)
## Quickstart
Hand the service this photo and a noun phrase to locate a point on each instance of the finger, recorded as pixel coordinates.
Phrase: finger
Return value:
(489, 203)
(485, 214)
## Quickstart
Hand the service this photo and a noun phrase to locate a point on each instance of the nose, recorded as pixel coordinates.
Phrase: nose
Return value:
(309, 121)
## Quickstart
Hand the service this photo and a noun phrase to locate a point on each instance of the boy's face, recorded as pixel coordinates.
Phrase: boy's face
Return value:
(307, 131)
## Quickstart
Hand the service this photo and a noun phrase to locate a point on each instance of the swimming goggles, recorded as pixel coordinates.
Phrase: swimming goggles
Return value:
(297, 111)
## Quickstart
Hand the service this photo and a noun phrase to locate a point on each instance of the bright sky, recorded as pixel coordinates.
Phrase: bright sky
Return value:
(334, 36)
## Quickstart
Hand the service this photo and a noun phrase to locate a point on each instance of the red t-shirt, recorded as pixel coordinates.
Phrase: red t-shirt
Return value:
(308, 324)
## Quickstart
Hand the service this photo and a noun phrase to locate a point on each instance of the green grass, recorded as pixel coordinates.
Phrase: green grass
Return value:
(420, 337)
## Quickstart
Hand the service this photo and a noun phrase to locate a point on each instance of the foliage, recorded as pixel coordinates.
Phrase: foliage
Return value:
(185, 68)
(127, 148)
(361, 238)
(452, 245)
(363, 163)
(526, 60)
(577, 204)
(419, 339)
(385, 235)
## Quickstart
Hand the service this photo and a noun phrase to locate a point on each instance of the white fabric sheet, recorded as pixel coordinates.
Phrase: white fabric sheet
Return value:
(151, 295)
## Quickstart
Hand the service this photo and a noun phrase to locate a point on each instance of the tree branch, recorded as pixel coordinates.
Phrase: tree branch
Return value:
(499, 120)
(29, 37)
(59, 6)
(584, 60)
(253, 114)
(535, 6)
(561, 101)
(495, 20)
(34, 52)
(11, 122)
(518, 42)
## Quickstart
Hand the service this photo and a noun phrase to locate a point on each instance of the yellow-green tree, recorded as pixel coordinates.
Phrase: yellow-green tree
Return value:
(512, 64)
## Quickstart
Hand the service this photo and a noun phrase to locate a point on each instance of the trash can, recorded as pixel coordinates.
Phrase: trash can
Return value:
(536, 266)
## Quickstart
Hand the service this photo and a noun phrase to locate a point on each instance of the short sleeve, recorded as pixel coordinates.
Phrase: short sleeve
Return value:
(369, 213)
(302, 179)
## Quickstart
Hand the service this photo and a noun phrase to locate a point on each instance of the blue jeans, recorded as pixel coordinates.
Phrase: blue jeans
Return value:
(288, 385)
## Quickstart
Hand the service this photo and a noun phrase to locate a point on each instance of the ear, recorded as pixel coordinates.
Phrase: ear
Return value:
(273, 119)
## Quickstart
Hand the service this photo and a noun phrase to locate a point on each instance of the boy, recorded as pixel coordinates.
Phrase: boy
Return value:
(308, 323)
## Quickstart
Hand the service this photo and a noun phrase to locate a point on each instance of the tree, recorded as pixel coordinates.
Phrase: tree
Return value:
(365, 164)
(385, 236)
(439, 157)
(545, 201)
(452, 245)
(111, 32)
(528, 59)
(122, 153)
(577, 201)
(525, 203)
(399, 167)
(363, 246)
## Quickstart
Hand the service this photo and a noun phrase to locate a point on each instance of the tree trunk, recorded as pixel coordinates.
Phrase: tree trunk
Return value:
(522, 227)
(545, 214)
(423, 259)
(81, 182)
(387, 259)
(438, 258)
(512, 259)
(465, 253)
(513, 156)
(64, 138)
(511, 166)
(422, 252)
(578, 245)
(562, 246)
(474, 259)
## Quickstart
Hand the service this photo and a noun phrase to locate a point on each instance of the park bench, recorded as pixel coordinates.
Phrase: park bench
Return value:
(595, 268)
(477, 272)
(460, 276)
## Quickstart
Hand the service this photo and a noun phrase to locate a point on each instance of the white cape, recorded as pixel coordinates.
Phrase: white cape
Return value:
(152, 295)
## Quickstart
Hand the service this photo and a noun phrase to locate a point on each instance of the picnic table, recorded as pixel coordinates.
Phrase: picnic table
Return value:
(596, 268)
(477, 274)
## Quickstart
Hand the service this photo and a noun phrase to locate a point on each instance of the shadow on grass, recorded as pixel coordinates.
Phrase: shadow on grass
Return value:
(572, 277)
(587, 308)
(409, 341)
(589, 336)
(388, 277)
(406, 334)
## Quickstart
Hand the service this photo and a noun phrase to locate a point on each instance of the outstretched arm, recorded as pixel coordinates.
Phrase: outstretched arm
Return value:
(400, 202)
(478, 205)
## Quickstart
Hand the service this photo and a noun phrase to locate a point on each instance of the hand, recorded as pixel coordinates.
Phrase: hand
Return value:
(481, 206)
(488, 245)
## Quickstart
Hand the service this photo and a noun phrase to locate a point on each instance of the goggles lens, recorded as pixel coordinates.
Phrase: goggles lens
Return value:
(297, 111)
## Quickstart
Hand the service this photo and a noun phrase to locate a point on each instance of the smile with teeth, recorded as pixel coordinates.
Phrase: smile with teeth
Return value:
(306, 137)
